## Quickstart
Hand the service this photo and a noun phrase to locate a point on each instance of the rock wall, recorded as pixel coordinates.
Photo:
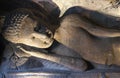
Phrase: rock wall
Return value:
(111, 7)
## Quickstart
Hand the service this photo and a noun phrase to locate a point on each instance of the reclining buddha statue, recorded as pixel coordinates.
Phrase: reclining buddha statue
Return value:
(40, 45)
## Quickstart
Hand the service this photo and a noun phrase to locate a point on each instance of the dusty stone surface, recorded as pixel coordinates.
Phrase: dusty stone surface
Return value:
(111, 7)
(112, 75)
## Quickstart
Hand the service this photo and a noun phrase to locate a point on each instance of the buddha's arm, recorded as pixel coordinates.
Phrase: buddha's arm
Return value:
(70, 62)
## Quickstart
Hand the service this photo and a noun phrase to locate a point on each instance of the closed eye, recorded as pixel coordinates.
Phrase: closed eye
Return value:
(36, 29)
(40, 29)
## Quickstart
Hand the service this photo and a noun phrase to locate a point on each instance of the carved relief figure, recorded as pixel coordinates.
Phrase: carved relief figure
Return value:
(20, 26)
(75, 35)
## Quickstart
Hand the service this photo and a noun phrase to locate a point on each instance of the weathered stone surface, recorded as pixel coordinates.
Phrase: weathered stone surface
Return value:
(106, 6)
(112, 75)
(35, 70)
(54, 75)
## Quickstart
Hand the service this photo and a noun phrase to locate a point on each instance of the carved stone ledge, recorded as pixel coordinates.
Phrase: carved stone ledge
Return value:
(62, 75)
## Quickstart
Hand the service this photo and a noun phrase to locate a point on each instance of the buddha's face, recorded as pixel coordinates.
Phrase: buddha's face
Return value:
(41, 39)
(25, 30)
